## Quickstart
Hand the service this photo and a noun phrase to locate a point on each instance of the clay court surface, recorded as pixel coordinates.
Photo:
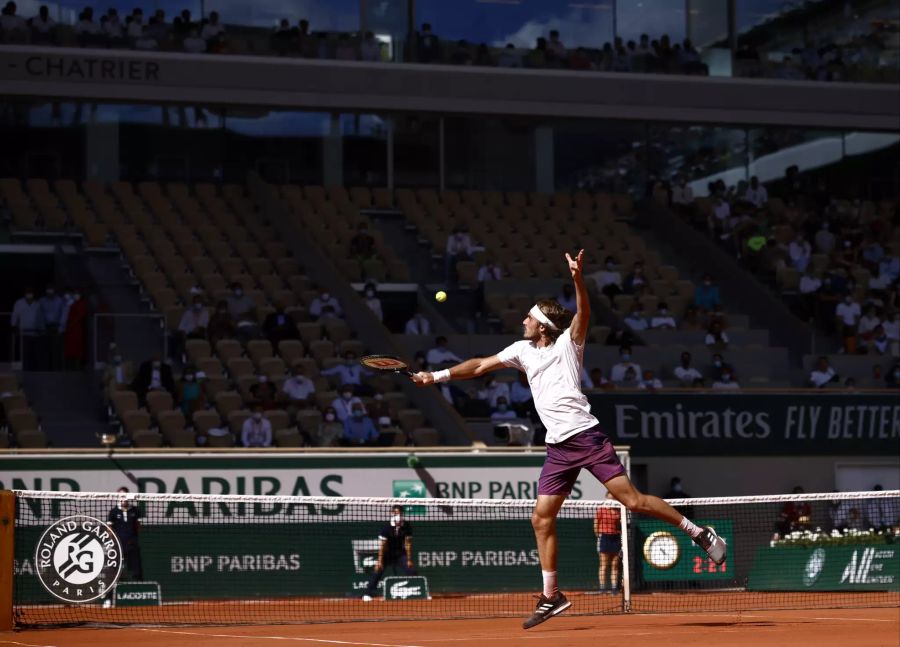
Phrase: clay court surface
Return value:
(821, 627)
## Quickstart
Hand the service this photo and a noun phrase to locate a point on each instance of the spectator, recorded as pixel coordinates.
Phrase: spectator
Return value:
(556, 46)
(489, 271)
(134, 24)
(428, 47)
(868, 322)
(418, 325)
(118, 374)
(194, 43)
(631, 379)
(620, 335)
(88, 32)
(682, 194)
(112, 26)
(461, 54)
(493, 390)
(838, 513)
(29, 324)
(299, 390)
(719, 365)
(520, 396)
(795, 515)
(871, 254)
(240, 303)
(362, 244)
(880, 513)
(191, 394)
(74, 346)
(282, 37)
(725, 382)
(635, 319)
(879, 343)
(635, 280)
(686, 373)
(459, 248)
(194, 322)
(756, 193)
(328, 431)
(649, 381)
(663, 319)
(618, 371)
(848, 314)
(891, 326)
(279, 327)
(676, 491)
(378, 408)
(509, 57)
(43, 27)
(343, 404)
(892, 379)
(598, 381)
(212, 28)
(609, 279)
(350, 372)
(706, 295)
(501, 411)
(716, 339)
(153, 375)
(157, 28)
(257, 430)
(824, 239)
(888, 271)
(359, 429)
(800, 252)
(373, 302)
(221, 325)
(264, 393)
(440, 354)
(323, 301)
(567, 298)
(145, 41)
(823, 374)
(580, 60)
(370, 48)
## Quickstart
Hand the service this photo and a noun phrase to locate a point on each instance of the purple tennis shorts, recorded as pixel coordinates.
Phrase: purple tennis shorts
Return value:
(590, 449)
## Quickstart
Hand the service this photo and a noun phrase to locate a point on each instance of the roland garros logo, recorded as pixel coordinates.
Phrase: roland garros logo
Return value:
(78, 559)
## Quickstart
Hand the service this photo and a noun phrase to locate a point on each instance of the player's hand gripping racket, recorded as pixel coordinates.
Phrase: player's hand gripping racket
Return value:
(386, 364)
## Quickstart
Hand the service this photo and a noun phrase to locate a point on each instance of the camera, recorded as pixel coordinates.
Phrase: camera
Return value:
(514, 434)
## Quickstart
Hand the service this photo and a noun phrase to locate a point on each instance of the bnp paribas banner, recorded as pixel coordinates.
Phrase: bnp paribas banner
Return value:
(512, 475)
(830, 422)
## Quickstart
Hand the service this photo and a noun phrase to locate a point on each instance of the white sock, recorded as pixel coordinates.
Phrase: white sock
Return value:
(690, 527)
(550, 587)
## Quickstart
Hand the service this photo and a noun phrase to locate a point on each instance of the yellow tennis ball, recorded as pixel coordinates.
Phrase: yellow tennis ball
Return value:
(440, 297)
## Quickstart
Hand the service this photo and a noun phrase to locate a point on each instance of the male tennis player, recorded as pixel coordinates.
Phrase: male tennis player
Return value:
(551, 355)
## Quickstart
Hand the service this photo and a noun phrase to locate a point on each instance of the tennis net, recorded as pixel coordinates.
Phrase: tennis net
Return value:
(82, 558)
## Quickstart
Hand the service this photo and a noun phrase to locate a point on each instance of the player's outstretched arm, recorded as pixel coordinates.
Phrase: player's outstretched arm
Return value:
(470, 368)
(582, 318)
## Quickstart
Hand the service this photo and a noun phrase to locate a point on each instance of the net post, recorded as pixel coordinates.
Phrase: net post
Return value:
(626, 561)
(7, 554)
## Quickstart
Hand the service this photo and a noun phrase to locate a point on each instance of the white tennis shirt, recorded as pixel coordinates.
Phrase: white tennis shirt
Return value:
(554, 377)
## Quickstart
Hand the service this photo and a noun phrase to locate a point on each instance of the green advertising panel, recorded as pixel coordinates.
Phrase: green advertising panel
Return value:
(246, 560)
(670, 424)
(874, 567)
(669, 555)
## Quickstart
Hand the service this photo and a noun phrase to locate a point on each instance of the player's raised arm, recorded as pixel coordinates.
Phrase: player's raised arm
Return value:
(474, 367)
(582, 318)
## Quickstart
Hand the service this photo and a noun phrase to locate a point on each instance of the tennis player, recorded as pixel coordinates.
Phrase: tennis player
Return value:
(551, 355)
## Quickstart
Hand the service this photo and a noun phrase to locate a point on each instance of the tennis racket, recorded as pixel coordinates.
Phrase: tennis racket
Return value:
(386, 364)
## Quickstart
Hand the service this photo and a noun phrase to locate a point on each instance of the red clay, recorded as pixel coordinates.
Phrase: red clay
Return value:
(819, 628)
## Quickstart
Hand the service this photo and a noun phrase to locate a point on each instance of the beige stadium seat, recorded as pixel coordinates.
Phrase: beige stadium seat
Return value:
(236, 421)
(210, 366)
(410, 419)
(171, 424)
(272, 367)
(279, 419)
(337, 330)
(13, 402)
(205, 420)
(159, 401)
(288, 438)
(426, 437)
(308, 420)
(239, 367)
(8, 383)
(228, 401)
(31, 439)
(197, 349)
(123, 401)
(228, 349)
(290, 351)
(134, 421)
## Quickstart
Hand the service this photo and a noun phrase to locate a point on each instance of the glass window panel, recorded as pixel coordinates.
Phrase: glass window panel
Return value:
(489, 153)
(416, 151)
(599, 156)
(323, 15)
(588, 23)
(364, 150)
(700, 153)
(708, 23)
(652, 17)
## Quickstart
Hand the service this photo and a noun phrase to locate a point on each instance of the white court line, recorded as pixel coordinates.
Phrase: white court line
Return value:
(13, 642)
(254, 637)
(747, 615)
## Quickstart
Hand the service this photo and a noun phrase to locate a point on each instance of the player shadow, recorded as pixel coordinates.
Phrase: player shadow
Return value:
(736, 623)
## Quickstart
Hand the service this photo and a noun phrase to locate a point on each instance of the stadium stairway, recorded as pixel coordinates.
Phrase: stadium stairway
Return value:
(68, 406)
(322, 270)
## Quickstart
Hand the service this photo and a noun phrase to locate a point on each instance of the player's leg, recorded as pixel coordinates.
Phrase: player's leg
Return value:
(372, 586)
(625, 493)
(543, 520)
(615, 561)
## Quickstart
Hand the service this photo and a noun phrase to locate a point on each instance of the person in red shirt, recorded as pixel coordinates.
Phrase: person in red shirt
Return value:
(608, 529)
(795, 515)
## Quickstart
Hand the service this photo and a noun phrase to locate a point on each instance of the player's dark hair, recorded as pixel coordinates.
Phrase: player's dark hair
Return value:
(560, 317)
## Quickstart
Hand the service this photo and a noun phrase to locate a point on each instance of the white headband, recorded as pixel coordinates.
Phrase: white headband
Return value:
(541, 317)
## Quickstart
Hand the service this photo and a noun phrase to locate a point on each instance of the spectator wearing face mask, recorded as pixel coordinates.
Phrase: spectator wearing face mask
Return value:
(617, 373)
(28, 322)
(719, 365)
(350, 372)
(221, 324)
(609, 279)
(343, 404)
(459, 248)
(373, 302)
(493, 390)
(118, 374)
(726, 382)
(418, 325)
(299, 391)
(649, 382)
(153, 375)
(635, 280)
(191, 394)
(502, 411)
(278, 327)
(359, 429)
(329, 430)
(240, 305)
(635, 319)
(706, 295)
(686, 373)
(264, 393)
(257, 430)
(663, 319)
(325, 300)
(631, 379)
